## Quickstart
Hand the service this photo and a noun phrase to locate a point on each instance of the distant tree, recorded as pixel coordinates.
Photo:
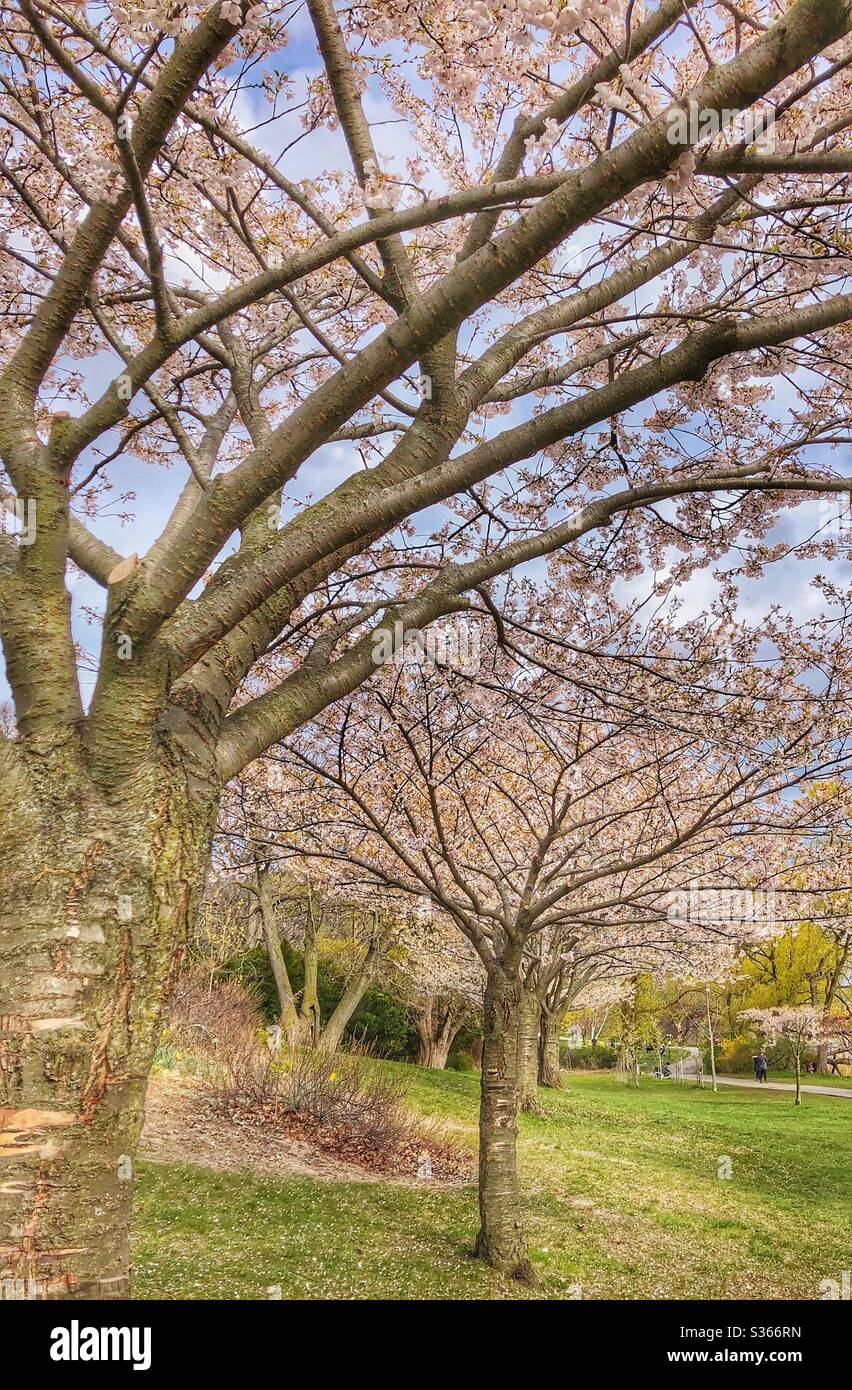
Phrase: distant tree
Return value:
(798, 1028)
(440, 978)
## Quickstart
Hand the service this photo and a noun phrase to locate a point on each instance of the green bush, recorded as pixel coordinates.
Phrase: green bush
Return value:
(460, 1061)
(593, 1057)
(380, 1021)
(383, 1023)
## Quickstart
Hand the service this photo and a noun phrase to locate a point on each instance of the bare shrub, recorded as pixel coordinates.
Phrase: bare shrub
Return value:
(247, 1078)
(213, 1016)
(346, 1095)
(344, 1104)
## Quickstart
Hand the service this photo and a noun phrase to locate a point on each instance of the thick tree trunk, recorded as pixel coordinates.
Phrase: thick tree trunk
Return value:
(501, 1241)
(550, 1072)
(432, 1053)
(96, 898)
(437, 1025)
(529, 1026)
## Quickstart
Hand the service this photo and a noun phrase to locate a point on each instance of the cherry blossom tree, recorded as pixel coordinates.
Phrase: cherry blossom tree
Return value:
(438, 975)
(562, 820)
(554, 320)
(798, 1027)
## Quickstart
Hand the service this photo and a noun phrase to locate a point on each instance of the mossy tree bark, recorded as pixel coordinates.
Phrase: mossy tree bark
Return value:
(99, 884)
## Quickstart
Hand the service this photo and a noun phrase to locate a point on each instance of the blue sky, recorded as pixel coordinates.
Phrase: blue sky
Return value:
(156, 488)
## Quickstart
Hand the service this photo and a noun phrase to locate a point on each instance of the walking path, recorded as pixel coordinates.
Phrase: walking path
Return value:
(780, 1086)
(690, 1068)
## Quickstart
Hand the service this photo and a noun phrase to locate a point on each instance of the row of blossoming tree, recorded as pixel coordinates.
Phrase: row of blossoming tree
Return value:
(547, 322)
(579, 822)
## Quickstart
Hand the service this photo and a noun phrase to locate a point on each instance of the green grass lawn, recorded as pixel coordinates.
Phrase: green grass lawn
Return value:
(623, 1199)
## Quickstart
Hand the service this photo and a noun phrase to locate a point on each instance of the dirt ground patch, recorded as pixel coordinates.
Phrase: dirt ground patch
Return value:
(180, 1127)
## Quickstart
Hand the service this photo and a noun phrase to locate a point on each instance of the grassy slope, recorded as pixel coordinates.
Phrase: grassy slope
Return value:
(622, 1191)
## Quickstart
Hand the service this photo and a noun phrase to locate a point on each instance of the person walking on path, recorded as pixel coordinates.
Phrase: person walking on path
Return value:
(761, 1066)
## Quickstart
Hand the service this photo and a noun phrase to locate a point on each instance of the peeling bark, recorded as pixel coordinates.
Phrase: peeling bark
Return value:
(97, 893)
